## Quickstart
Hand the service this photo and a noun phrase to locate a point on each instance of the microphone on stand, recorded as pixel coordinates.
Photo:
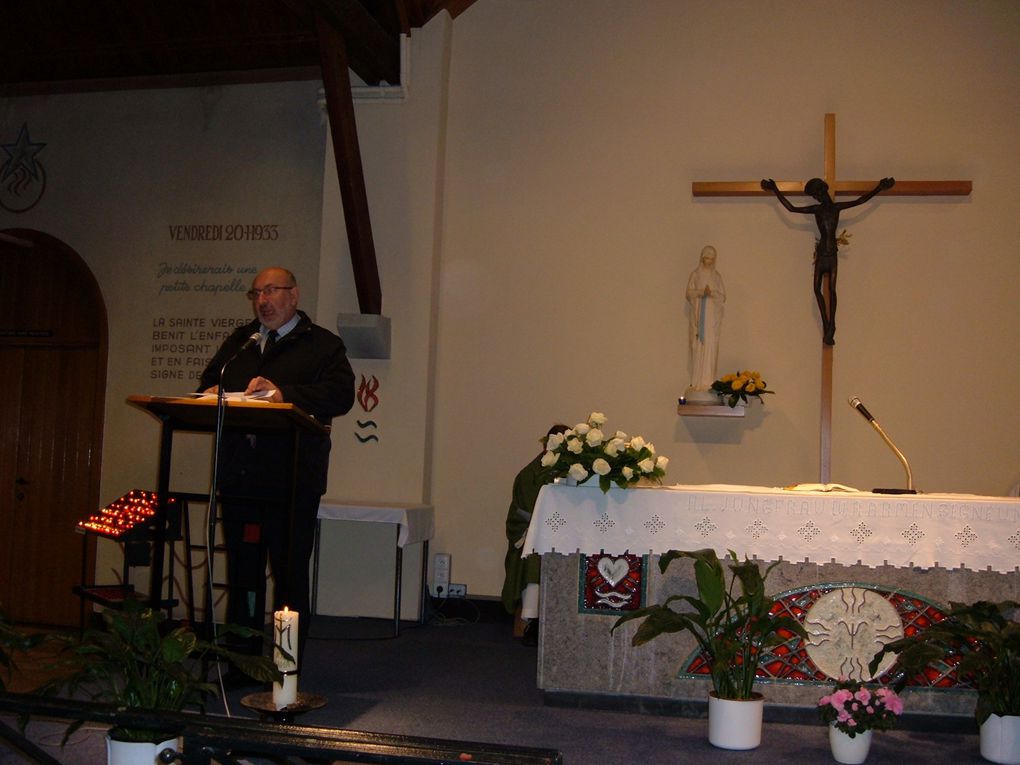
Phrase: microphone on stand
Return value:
(220, 396)
(250, 342)
(253, 340)
(856, 404)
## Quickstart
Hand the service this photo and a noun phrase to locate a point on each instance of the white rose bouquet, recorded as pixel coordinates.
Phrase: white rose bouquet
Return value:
(586, 450)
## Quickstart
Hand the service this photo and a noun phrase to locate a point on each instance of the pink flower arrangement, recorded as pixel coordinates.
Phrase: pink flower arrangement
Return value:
(853, 708)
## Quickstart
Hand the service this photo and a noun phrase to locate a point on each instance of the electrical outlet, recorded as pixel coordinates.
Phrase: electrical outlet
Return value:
(441, 575)
(457, 591)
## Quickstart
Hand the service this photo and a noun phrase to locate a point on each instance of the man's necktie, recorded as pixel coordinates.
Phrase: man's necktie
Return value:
(271, 340)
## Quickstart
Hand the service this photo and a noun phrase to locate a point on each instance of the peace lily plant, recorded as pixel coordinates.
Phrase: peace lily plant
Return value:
(734, 624)
(12, 641)
(981, 640)
(586, 450)
(138, 661)
(985, 638)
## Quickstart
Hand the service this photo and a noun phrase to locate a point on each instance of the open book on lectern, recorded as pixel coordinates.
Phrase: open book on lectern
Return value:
(259, 395)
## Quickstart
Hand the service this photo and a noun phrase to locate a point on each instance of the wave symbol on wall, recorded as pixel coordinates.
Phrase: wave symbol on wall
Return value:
(364, 424)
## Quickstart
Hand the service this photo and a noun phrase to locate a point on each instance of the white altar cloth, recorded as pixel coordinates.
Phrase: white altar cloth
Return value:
(926, 530)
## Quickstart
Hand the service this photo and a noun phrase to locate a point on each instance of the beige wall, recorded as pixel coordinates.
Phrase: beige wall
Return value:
(575, 131)
(122, 169)
(402, 153)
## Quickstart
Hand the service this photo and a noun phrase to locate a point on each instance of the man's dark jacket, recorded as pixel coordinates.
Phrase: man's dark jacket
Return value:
(310, 368)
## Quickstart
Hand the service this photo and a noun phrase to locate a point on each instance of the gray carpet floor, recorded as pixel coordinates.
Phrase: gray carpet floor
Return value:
(470, 681)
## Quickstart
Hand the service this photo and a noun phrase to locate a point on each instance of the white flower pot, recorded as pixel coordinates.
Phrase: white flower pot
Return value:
(135, 752)
(1000, 739)
(850, 751)
(735, 723)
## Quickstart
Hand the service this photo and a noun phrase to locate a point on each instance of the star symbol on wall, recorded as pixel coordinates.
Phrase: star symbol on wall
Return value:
(21, 153)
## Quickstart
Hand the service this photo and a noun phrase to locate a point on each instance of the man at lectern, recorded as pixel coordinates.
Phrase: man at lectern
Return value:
(286, 358)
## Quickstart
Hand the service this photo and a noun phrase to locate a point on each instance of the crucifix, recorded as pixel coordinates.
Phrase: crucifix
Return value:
(824, 273)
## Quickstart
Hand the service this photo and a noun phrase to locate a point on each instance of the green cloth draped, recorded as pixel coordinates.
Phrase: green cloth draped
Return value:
(521, 572)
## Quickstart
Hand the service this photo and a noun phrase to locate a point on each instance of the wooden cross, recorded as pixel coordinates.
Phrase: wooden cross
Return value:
(901, 189)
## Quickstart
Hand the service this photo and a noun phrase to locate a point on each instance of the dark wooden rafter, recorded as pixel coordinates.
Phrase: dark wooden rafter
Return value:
(344, 132)
(145, 45)
(69, 46)
(373, 52)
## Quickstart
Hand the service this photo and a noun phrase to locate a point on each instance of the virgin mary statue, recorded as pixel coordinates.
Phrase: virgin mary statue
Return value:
(706, 296)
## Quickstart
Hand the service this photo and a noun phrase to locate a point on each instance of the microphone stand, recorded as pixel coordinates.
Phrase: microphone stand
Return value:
(856, 404)
(210, 534)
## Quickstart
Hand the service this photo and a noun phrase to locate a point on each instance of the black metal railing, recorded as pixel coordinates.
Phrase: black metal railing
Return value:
(207, 739)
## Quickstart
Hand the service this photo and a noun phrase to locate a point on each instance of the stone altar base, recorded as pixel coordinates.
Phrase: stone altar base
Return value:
(578, 655)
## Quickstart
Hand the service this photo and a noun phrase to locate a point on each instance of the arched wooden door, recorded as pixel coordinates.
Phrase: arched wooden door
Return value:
(53, 340)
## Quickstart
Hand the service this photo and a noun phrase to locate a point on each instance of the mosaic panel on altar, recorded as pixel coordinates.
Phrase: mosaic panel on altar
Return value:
(847, 623)
(613, 583)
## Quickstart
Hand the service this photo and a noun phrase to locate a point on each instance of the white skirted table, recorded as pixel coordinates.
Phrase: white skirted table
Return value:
(414, 524)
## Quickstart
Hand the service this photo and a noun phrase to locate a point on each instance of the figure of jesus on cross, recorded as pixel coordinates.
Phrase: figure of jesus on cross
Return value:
(826, 214)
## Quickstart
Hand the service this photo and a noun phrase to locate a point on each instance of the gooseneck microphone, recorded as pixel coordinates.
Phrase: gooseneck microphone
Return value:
(859, 406)
(856, 404)
(253, 340)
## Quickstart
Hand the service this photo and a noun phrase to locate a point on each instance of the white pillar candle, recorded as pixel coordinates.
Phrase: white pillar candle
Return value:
(285, 634)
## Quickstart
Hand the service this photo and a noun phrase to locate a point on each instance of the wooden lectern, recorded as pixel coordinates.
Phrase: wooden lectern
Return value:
(198, 415)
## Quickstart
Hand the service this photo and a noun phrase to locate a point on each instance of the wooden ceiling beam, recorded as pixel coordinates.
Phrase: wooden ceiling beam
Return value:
(344, 133)
(66, 45)
(372, 52)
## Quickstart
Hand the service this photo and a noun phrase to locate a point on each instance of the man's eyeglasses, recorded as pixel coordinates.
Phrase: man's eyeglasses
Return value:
(268, 291)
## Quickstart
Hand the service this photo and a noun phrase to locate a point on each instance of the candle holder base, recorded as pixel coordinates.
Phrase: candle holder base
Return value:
(262, 704)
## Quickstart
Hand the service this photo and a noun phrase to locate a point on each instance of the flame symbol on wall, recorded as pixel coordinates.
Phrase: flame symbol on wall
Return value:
(19, 180)
(366, 393)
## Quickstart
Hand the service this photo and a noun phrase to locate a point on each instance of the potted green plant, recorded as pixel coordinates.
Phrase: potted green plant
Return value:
(985, 638)
(11, 641)
(136, 661)
(734, 625)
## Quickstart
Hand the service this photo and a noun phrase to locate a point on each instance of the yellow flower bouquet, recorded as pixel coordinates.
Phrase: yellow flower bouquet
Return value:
(737, 387)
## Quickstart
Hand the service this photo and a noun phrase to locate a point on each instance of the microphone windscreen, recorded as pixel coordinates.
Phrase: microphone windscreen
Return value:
(856, 404)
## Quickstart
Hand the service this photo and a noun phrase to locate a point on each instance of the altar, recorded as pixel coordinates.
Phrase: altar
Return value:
(917, 552)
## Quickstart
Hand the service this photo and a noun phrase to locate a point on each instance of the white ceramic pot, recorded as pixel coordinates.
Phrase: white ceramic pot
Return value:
(735, 723)
(135, 752)
(1000, 739)
(850, 751)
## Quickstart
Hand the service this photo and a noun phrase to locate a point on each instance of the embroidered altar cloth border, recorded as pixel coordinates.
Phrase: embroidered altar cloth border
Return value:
(927, 530)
